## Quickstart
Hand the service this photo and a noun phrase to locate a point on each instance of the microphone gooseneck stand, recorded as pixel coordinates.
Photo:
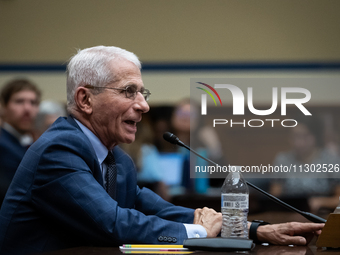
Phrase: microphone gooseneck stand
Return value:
(171, 138)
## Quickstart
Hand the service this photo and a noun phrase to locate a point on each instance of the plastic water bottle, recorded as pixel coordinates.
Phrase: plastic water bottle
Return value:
(234, 206)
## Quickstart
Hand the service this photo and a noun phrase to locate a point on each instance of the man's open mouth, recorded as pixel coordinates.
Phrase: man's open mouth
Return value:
(130, 122)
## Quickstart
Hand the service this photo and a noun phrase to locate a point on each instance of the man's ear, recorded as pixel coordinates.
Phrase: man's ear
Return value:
(83, 99)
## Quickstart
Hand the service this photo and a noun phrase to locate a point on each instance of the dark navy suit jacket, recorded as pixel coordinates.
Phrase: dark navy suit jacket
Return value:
(11, 154)
(57, 200)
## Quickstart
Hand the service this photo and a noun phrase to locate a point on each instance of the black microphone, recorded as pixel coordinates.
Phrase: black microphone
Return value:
(171, 138)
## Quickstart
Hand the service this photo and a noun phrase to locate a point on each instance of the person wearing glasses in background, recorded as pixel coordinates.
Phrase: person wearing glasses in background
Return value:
(76, 187)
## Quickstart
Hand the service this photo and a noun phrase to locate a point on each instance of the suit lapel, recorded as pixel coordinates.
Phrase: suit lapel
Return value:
(97, 173)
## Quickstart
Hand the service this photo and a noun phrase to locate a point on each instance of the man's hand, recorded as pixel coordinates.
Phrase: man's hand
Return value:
(210, 220)
(289, 233)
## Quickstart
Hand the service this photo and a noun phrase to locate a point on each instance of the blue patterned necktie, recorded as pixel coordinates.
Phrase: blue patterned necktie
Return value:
(111, 175)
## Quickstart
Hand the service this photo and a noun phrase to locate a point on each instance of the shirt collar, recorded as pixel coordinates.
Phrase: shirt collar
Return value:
(98, 146)
(24, 139)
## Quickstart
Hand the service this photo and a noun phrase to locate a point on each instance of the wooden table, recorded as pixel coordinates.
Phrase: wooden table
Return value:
(276, 217)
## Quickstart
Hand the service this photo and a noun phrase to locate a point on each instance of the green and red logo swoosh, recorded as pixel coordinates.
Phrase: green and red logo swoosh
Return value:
(209, 93)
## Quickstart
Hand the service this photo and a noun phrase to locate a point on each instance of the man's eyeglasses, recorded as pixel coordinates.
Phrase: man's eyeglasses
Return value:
(130, 91)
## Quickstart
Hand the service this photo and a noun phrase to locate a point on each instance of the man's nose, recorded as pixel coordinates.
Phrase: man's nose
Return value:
(141, 103)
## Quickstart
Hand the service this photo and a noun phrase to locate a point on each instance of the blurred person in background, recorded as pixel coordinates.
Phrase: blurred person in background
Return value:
(147, 158)
(20, 103)
(49, 111)
(0, 116)
(307, 143)
(332, 138)
(186, 123)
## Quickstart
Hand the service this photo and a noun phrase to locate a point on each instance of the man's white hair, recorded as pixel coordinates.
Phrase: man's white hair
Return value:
(91, 66)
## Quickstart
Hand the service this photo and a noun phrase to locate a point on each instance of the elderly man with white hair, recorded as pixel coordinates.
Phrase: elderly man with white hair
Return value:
(76, 187)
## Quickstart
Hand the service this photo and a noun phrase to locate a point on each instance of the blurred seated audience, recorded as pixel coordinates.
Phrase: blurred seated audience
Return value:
(160, 122)
(49, 111)
(204, 136)
(0, 116)
(187, 123)
(164, 167)
(147, 159)
(20, 103)
(332, 134)
(307, 145)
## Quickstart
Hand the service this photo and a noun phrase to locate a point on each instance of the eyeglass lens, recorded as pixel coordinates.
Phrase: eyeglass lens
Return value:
(131, 92)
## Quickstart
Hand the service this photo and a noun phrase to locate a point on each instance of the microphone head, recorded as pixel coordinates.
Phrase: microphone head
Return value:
(171, 138)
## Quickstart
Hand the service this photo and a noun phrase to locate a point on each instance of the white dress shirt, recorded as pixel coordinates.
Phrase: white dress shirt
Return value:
(24, 139)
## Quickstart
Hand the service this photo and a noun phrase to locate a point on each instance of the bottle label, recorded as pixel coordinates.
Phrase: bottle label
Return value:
(235, 201)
